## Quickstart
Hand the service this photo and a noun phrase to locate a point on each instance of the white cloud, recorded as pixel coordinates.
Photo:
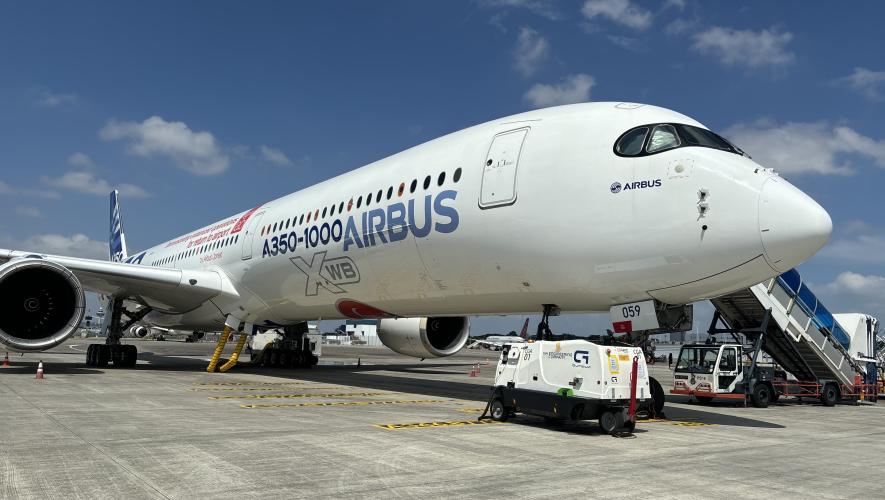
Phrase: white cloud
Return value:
(543, 8)
(677, 4)
(860, 243)
(76, 245)
(854, 292)
(81, 160)
(625, 42)
(680, 26)
(530, 52)
(275, 156)
(867, 82)
(575, 88)
(622, 12)
(797, 148)
(196, 152)
(88, 183)
(29, 212)
(45, 98)
(6, 189)
(751, 49)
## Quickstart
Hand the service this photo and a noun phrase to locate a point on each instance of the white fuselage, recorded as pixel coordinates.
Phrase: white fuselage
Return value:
(533, 217)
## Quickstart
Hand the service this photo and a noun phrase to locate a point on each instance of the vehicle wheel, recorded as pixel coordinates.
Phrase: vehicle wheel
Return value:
(704, 399)
(131, 353)
(102, 356)
(761, 396)
(116, 355)
(610, 421)
(829, 395)
(90, 354)
(497, 411)
(657, 396)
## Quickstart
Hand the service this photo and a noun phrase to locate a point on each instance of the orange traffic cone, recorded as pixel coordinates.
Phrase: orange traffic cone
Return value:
(6, 360)
(473, 371)
(40, 370)
(476, 367)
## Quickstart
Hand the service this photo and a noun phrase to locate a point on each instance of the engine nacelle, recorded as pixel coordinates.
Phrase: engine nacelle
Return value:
(424, 337)
(41, 304)
(139, 331)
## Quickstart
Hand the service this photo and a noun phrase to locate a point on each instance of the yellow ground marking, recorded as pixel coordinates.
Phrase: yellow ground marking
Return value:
(444, 423)
(682, 423)
(345, 403)
(470, 410)
(303, 388)
(294, 396)
(248, 383)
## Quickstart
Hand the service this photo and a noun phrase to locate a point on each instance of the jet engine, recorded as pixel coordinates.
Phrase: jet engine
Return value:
(41, 304)
(424, 337)
(139, 331)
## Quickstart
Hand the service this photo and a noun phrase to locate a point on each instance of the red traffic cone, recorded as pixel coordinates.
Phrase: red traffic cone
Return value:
(40, 370)
(472, 373)
(6, 360)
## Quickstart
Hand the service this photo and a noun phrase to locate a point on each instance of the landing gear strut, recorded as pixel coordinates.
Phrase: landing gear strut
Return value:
(544, 332)
(113, 351)
(293, 351)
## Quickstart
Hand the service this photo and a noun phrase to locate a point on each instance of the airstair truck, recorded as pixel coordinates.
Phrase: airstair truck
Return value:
(571, 380)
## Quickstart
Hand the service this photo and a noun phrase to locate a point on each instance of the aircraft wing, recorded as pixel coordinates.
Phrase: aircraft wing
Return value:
(164, 289)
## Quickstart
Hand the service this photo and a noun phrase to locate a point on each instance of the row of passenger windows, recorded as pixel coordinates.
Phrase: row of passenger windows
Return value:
(665, 136)
(372, 197)
(208, 247)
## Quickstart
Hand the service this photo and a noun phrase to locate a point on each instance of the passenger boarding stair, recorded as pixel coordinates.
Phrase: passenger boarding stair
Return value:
(802, 336)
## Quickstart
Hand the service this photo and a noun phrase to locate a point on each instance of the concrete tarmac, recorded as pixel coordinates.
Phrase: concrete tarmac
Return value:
(392, 427)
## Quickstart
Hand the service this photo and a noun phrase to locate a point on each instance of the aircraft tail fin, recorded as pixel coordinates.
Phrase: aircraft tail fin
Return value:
(116, 238)
(525, 330)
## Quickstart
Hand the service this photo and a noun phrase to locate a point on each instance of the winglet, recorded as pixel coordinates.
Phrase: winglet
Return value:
(116, 238)
(525, 329)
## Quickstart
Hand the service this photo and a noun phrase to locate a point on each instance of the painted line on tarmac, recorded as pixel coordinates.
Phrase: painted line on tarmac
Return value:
(305, 388)
(74, 347)
(219, 384)
(345, 403)
(681, 423)
(470, 410)
(433, 425)
(295, 396)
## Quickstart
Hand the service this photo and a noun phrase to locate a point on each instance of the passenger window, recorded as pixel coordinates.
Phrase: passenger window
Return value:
(441, 179)
(378, 196)
(427, 182)
(390, 192)
(631, 143)
(663, 137)
(457, 176)
(413, 186)
(340, 207)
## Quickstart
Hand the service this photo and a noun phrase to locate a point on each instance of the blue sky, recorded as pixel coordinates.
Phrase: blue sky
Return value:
(198, 110)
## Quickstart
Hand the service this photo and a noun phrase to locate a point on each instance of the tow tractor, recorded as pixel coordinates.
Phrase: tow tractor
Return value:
(571, 380)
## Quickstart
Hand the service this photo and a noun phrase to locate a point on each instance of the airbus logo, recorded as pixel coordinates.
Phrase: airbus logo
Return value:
(617, 188)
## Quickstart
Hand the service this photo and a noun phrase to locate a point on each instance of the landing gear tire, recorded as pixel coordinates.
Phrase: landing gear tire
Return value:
(610, 421)
(102, 356)
(498, 411)
(657, 396)
(90, 355)
(829, 395)
(704, 399)
(761, 396)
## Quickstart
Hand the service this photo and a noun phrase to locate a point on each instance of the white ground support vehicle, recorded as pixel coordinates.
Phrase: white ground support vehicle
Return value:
(571, 380)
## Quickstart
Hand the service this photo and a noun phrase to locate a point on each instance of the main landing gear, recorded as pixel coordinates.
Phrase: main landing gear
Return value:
(113, 351)
(293, 351)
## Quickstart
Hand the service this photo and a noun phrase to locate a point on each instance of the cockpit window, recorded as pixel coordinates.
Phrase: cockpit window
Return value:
(631, 142)
(696, 136)
(663, 137)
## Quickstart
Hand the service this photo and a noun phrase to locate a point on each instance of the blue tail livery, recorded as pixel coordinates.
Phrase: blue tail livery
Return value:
(116, 238)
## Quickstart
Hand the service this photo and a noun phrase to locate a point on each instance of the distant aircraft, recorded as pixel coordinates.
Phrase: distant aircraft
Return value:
(496, 342)
(584, 207)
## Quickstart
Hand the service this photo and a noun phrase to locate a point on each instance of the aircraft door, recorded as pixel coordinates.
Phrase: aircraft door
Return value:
(499, 171)
(249, 239)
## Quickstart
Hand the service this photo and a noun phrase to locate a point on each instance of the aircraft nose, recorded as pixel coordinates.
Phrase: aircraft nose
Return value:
(793, 226)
